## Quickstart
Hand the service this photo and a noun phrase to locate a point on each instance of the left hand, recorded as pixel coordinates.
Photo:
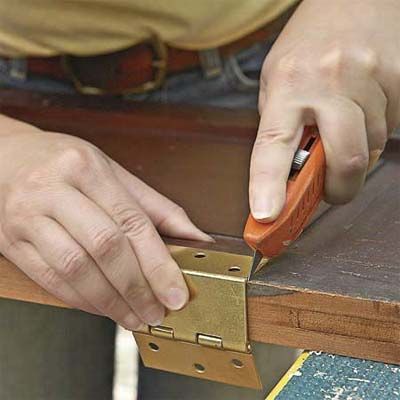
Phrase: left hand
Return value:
(336, 65)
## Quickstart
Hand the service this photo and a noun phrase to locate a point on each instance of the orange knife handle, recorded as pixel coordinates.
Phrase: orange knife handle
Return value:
(304, 192)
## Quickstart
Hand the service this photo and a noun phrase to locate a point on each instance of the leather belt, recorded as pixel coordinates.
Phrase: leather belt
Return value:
(140, 68)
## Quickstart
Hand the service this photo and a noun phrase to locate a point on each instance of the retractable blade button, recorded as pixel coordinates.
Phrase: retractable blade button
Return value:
(300, 159)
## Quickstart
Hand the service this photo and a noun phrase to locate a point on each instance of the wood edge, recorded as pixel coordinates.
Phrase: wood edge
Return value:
(260, 289)
(336, 344)
(376, 350)
(355, 327)
(16, 285)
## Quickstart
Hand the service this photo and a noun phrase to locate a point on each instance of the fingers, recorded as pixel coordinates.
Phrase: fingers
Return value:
(390, 84)
(32, 264)
(393, 114)
(74, 266)
(352, 127)
(375, 123)
(169, 219)
(370, 97)
(376, 126)
(343, 132)
(107, 245)
(156, 263)
(278, 137)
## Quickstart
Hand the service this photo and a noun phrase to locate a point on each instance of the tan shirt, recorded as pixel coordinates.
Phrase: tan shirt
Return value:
(84, 27)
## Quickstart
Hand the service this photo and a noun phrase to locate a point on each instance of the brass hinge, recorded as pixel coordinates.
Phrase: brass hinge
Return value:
(207, 339)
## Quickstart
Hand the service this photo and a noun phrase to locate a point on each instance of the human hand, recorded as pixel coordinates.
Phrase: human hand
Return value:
(336, 65)
(85, 229)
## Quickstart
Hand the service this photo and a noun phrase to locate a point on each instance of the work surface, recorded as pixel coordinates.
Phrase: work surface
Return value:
(337, 289)
(325, 376)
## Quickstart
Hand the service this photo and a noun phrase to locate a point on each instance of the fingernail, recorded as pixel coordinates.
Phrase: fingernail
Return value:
(154, 317)
(207, 238)
(132, 322)
(262, 208)
(176, 298)
(200, 235)
(139, 328)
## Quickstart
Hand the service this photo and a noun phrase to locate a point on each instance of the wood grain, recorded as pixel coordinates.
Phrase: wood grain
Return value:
(336, 289)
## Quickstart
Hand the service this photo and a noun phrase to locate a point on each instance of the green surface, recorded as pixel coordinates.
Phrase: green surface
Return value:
(330, 377)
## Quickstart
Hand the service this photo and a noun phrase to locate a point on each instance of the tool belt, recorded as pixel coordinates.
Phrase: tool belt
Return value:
(145, 66)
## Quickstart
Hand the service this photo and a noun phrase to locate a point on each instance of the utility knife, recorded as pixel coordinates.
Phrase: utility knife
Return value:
(305, 189)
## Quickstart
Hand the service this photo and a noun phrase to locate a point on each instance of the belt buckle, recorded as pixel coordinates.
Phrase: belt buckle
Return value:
(159, 64)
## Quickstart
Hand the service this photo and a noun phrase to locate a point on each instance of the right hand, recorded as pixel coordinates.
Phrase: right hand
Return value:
(85, 229)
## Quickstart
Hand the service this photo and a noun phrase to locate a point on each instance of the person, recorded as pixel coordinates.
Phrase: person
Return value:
(88, 231)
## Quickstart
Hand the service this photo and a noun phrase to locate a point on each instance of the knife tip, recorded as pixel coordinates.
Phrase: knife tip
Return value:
(256, 262)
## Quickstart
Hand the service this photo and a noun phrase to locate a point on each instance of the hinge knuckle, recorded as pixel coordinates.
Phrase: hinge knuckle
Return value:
(162, 331)
(209, 341)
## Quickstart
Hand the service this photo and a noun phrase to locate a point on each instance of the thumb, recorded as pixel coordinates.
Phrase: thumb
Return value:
(278, 137)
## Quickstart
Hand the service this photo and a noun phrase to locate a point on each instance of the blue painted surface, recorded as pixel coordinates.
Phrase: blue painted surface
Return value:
(329, 377)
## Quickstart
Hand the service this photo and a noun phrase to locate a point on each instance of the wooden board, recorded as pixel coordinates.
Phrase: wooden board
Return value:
(337, 289)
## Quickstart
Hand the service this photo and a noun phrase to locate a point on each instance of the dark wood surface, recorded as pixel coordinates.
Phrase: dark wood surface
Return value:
(352, 250)
(337, 288)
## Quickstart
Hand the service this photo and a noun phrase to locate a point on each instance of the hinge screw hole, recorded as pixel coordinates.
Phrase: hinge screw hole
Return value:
(234, 268)
(199, 368)
(237, 363)
(200, 255)
(153, 346)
